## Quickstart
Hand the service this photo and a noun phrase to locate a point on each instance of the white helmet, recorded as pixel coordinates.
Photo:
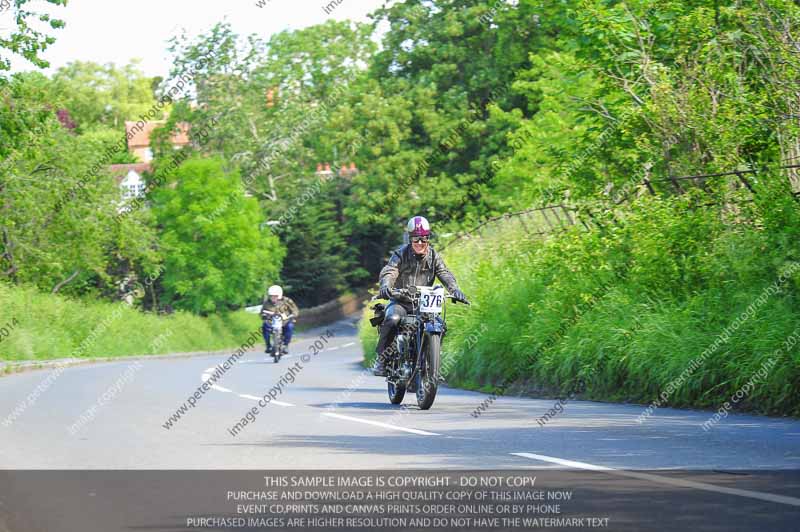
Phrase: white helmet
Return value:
(275, 290)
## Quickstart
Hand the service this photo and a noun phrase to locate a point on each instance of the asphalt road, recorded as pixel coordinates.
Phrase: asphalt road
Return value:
(336, 415)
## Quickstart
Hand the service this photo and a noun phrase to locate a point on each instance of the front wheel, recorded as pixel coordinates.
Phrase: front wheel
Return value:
(428, 375)
(397, 391)
(276, 347)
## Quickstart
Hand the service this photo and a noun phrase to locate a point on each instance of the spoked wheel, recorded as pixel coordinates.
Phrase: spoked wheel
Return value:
(396, 386)
(276, 348)
(397, 390)
(428, 375)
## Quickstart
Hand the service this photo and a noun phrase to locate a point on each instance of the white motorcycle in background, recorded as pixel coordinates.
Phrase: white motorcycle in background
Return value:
(276, 336)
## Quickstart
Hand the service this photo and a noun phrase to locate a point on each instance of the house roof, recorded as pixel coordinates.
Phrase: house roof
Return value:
(141, 137)
(119, 171)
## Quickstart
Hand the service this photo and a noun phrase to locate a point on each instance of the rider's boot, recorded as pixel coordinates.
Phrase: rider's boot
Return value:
(379, 368)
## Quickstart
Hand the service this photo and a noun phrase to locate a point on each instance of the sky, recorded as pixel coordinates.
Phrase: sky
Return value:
(117, 30)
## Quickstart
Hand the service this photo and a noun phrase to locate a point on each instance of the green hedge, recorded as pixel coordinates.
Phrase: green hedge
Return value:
(626, 310)
(45, 326)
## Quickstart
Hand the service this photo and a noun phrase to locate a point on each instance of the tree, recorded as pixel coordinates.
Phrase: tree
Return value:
(104, 95)
(216, 256)
(99, 138)
(320, 262)
(23, 39)
(58, 203)
(277, 143)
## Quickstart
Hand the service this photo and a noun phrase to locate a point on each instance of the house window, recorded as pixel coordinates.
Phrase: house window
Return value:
(134, 191)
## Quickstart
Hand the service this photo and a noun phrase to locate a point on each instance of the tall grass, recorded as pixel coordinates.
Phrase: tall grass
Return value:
(627, 308)
(51, 326)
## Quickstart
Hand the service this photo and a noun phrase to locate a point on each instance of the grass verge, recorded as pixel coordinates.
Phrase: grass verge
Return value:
(45, 327)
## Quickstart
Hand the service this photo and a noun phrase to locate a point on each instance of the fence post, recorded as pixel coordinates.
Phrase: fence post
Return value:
(598, 224)
(566, 213)
(523, 224)
(546, 219)
(745, 182)
(677, 185)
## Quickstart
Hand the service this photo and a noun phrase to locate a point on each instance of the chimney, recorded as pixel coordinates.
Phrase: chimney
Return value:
(324, 173)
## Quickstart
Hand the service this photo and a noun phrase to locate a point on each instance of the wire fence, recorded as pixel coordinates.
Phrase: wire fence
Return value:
(550, 219)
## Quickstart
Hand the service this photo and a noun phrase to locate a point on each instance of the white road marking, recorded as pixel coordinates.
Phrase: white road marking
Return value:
(384, 425)
(254, 398)
(770, 497)
(268, 359)
(207, 376)
(208, 372)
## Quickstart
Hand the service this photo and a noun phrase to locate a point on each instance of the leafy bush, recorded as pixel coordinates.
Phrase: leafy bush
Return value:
(216, 256)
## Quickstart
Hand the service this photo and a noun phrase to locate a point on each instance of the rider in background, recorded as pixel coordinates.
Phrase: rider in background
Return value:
(276, 302)
(415, 264)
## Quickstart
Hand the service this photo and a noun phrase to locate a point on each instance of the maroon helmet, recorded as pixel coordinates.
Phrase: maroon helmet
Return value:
(418, 226)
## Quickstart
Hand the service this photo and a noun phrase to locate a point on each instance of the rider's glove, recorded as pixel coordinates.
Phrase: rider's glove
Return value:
(459, 295)
(385, 292)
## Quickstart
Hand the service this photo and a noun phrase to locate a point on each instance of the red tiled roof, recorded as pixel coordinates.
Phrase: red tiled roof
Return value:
(119, 171)
(141, 137)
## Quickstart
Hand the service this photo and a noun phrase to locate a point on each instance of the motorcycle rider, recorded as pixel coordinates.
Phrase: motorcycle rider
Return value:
(277, 303)
(414, 264)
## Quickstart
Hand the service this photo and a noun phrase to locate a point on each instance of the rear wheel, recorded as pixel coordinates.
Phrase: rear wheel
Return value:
(428, 376)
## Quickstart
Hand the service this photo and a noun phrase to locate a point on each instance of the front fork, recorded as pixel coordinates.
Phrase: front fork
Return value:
(435, 327)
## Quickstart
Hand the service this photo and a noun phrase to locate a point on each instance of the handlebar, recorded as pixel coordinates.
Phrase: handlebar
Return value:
(268, 314)
(414, 294)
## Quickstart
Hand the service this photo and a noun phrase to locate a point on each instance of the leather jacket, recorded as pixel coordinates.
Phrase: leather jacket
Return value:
(405, 268)
(284, 306)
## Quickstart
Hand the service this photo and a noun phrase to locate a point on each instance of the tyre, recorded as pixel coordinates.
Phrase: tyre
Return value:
(428, 376)
(276, 347)
(397, 391)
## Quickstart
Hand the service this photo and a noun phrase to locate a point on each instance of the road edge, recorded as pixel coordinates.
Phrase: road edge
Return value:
(10, 368)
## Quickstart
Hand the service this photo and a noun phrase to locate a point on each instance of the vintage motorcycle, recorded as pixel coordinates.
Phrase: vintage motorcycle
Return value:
(413, 360)
(276, 336)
